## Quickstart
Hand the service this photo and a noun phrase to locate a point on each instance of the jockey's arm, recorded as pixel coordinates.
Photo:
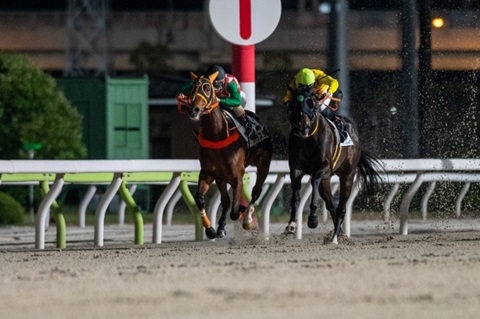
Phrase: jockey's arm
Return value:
(185, 88)
(234, 98)
(182, 95)
(288, 94)
(326, 83)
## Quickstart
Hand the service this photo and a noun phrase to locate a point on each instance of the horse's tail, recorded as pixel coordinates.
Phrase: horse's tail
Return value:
(369, 168)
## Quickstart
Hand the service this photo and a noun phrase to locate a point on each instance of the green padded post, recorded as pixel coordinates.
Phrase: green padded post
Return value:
(246, 191)
(190, 201)
(58, 215)
(133, 208)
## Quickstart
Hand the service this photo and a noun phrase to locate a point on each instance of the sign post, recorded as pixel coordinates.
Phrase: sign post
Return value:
(245, 23)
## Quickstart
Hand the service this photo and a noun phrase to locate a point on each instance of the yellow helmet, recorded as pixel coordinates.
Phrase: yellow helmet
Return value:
(304, 77)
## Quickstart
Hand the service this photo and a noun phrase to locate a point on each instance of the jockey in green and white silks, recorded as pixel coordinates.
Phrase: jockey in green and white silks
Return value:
(227, 89)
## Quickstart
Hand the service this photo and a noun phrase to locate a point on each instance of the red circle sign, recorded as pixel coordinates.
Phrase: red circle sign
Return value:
(245, 22)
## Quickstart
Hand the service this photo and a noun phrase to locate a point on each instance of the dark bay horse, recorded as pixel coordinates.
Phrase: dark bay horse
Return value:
(224, 156)
(314, 150)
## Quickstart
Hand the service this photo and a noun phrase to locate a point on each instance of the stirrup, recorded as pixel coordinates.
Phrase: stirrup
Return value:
(347, 142)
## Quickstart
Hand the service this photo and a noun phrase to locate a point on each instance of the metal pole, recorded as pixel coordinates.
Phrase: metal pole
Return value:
(424, 65)
(409, 89)
(338, 50)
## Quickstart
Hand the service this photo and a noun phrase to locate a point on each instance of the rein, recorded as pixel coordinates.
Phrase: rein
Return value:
(314, 130)
(209, 108)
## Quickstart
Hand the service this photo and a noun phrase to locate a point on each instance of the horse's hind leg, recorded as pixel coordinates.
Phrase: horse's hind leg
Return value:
(345, 190)
(225, 200)
(262, 172)
(204, 183)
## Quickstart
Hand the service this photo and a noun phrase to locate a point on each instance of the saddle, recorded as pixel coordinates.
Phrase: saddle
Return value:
(258, 131)
(346, 141)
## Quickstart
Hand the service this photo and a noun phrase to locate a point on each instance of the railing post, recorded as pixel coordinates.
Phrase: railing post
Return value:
(160, 207)
(43, 210)
(407, 199)
(102, 208)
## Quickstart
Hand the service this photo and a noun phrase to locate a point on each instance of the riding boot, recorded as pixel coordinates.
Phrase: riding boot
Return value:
(342, 130)
(246, 124)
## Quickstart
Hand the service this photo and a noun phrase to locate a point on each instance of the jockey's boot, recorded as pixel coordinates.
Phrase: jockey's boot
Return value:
(345, 139)
(246, 124)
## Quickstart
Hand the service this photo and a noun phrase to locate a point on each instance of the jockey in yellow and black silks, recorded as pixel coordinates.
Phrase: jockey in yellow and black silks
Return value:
(324, 86)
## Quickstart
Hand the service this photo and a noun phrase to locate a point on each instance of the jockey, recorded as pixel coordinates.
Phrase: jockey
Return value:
(324, 88)
(230, 93)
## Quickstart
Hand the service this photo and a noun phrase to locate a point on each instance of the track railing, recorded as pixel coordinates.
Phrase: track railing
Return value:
(177, 175)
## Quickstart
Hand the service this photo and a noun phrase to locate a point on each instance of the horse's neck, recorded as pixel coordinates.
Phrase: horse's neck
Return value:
(214, 125)
(321, 127)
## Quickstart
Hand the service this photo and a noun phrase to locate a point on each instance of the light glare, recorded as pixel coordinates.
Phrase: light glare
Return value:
(438, 22)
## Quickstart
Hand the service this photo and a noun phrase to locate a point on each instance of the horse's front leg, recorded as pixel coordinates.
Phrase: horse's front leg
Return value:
(225, 201)
(296, 180)
(204, 183)
(312, 217)
(345, 190)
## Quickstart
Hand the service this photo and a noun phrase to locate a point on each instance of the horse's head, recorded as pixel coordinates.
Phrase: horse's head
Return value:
(302, 111)
(202, 95)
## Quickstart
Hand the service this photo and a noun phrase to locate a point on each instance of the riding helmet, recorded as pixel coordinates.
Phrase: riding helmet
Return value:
(219, 69)
(305, 77)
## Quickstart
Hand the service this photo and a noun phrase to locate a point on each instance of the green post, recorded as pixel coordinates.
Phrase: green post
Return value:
(133, 208)
(58, 215)
(190, 201)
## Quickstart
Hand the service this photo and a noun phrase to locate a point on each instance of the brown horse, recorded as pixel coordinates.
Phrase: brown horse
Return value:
(224, 156)
(314, 150)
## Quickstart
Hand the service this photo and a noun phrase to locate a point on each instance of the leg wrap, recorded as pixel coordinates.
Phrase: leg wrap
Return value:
(205, 220)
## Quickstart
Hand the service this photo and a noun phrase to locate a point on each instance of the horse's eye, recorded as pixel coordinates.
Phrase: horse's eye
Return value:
(207, 89)
(310, 104)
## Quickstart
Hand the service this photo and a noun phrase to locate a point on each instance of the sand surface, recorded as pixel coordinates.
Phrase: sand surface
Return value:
(434, 272)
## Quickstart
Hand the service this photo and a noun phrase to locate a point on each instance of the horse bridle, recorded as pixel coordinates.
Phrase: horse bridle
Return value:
(310, 109)
(199, 90)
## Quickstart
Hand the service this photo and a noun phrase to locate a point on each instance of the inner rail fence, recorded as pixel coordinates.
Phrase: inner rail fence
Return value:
(178, 176)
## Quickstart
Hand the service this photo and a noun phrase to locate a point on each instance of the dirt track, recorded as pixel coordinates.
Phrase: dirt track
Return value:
(431, 273)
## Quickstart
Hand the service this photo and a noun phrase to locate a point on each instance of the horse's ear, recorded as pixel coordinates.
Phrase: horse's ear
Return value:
(213, 76)
(193, 76)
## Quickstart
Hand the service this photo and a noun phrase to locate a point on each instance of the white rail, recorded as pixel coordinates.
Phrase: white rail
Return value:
(398, 171)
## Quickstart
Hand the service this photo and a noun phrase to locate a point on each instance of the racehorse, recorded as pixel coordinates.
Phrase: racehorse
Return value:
(224, 155)
(314, 149)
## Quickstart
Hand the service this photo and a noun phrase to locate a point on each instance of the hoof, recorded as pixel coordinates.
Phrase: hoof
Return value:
(335, 240)
(312, 222)
(221, 233)
(290, 230)
(236, 216)
(210, 232)
(248, 224)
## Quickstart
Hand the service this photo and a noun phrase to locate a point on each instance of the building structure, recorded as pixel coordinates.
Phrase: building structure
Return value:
(374, 37)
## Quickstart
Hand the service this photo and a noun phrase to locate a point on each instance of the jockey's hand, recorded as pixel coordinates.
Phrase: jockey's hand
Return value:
(324, 96)
(181, 97)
